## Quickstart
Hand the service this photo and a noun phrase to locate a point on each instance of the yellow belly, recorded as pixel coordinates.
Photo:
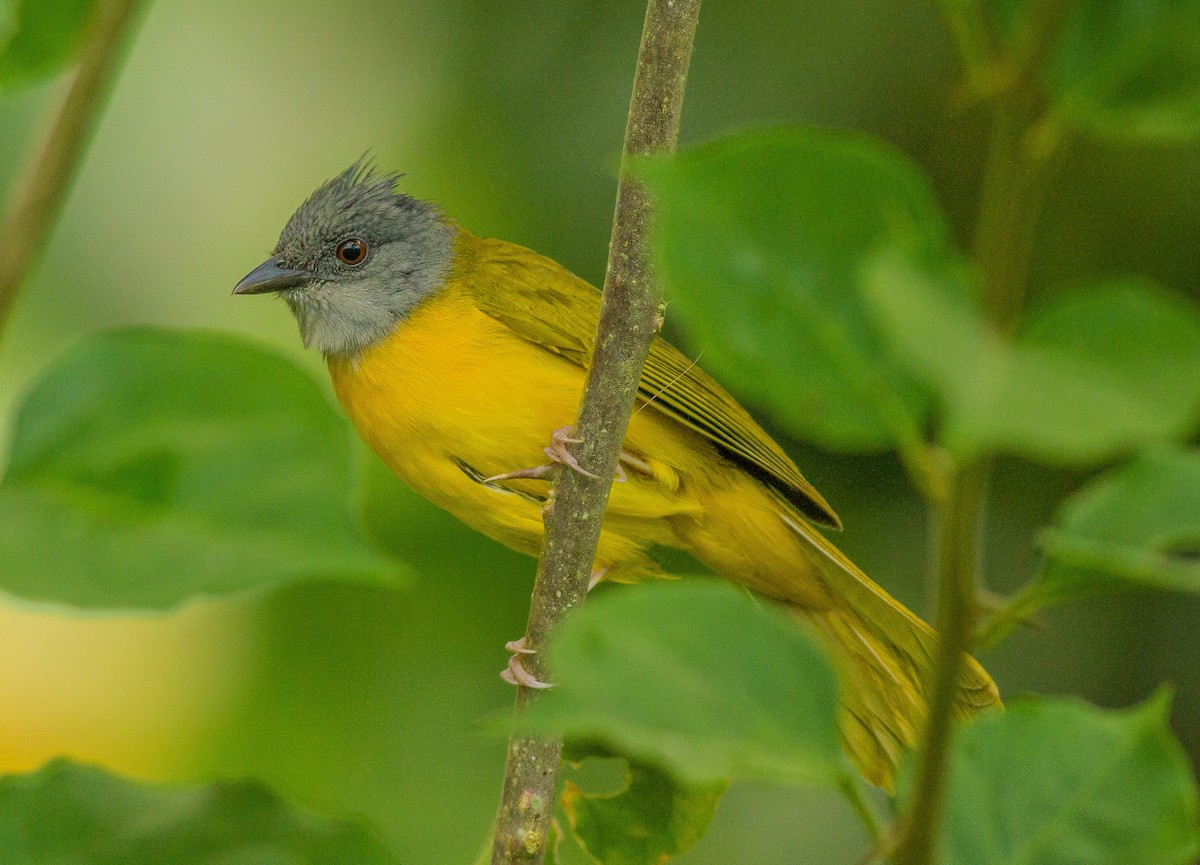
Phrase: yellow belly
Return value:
(453, 396)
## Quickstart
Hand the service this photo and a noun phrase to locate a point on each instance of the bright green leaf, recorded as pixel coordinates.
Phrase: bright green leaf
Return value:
(758, 241)
(67, 813)
(1058, 782)
(1095, 371)
(1137, 526)
(698, 679)
(39, 36)
(149, 466)
(652, 818)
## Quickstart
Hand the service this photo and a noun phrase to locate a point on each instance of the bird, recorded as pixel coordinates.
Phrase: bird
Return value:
(457, 357)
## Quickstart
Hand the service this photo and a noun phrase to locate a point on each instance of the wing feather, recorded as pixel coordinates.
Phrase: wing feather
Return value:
(549, 306)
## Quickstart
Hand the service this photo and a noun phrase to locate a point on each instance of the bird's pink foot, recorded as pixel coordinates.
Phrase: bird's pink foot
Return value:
(514, 673)
(556, 451)
(519, 647)
(536, 473)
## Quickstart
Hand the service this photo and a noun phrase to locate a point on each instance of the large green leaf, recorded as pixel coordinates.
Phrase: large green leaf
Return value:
(652, 818)
(1137, 526)
(1094, 371)
(67, 813)
(149, 466)
(698, 679)
(39, 36)
(1058, 782)
(758, 241)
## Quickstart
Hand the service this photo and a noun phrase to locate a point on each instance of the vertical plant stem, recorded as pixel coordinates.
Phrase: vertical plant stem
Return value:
(39, 193)
(629, 319)
(972, 41)
(957, 539)
(1009, 202)
(1014, 173)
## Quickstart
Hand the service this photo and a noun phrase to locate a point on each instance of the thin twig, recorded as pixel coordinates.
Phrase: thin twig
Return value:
(39, 194)
(1004, 234)
(972, 40)
(958, 539)
(629, 319)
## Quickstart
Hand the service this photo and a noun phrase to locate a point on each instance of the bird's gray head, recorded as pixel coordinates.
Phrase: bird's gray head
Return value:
(354, 260)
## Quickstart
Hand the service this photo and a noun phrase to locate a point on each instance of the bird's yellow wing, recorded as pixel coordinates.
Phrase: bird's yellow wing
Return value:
(549, 306)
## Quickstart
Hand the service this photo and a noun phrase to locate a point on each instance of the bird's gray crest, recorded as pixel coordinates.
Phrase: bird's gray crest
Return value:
(343, 309)
(361, 202)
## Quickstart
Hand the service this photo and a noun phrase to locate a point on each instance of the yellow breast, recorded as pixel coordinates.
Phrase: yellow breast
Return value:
(453, 396)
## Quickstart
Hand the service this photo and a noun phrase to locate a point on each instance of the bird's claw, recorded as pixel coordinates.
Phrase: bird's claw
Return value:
(536, 473)
(597, 575)
(557, 450)
(519, 647)
(515, 674)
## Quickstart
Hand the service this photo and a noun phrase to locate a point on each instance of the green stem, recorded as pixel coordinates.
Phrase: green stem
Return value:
(958, 539)
(629, 319)
(972, 40)
(40, 192)
(1020, 148)
(1009, 204)
(1004, 234)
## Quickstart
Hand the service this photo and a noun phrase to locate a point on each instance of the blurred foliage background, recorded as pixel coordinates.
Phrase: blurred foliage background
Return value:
(510, 115)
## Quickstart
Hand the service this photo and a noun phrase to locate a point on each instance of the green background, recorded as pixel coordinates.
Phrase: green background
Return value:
(510, 115)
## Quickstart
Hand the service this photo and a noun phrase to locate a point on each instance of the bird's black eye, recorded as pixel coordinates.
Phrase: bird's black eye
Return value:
(352, 251)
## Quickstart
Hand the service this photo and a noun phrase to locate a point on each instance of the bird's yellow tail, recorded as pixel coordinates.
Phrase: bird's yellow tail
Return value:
(883, 653)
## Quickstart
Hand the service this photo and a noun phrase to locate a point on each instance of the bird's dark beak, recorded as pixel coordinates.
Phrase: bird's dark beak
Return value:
(271, 276)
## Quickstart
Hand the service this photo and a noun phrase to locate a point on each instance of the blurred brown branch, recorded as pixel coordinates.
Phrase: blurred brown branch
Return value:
(39, 193)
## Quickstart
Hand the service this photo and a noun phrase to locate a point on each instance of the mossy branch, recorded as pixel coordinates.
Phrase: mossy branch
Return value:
(39, 193)
(629, 319)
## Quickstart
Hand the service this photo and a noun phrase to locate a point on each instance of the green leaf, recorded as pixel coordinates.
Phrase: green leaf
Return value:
(758, 240)
(84, 816)
(649, 820)
(1131, 69)
(39, 36)
(696, 678)
(149, 466)
(1136, 526)
(1094, 372)
(1125, 69)
(1059, 782)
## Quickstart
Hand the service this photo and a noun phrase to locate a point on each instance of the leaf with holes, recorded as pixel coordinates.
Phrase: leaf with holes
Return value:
(649, 820)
